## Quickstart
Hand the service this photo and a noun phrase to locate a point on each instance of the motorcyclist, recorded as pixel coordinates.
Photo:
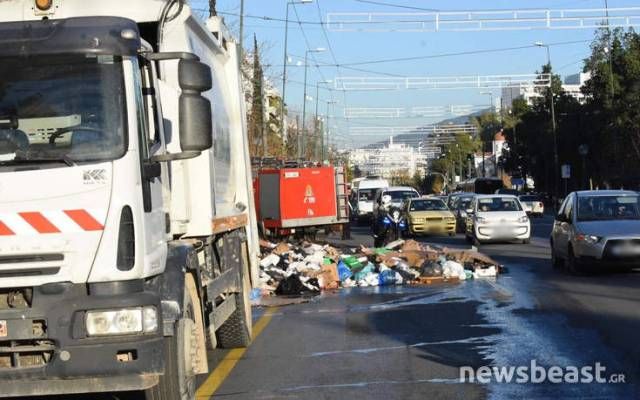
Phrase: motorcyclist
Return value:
(387, 216)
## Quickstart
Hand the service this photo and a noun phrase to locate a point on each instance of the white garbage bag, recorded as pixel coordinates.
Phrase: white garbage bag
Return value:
(452, 269)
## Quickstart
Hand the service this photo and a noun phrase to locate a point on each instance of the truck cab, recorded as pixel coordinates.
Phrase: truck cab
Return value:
(125, 235)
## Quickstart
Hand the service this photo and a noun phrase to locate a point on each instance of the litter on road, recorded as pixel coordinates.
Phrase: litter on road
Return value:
(306, 269)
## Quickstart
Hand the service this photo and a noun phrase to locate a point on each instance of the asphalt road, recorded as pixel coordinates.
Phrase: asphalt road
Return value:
(409, 342)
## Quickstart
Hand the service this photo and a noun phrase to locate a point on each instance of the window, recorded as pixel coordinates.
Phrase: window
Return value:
(366, 194)
(494, 204)
(569, 208)
(401, 195)
(428, 205)
(601, 208)
(62, 107)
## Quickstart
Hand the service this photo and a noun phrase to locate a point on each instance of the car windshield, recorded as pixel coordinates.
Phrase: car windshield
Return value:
(464, 203)
(602, 208)
(401, 195)
(529, 198)
(428, 205)
(61, 107)
(493, 204)
(366, 194)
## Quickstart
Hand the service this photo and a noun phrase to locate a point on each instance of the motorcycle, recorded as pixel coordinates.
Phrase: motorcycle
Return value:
(391, 226)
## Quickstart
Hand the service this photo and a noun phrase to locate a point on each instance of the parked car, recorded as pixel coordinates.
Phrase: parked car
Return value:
(532, 204)
(460, 208)
(429, 215)
(597, 228)
(497, 218)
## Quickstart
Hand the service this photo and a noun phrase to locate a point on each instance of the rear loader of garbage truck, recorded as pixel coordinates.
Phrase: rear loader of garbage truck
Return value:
(127, 225)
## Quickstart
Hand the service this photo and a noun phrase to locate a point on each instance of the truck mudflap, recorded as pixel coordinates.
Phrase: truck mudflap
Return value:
(45, 349)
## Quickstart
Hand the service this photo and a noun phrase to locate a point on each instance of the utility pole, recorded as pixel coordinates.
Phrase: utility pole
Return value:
(556, 162)
(484, 169)
(212, 8)
(327, 129)
(317, 132)
(241, 33)
(304, 97)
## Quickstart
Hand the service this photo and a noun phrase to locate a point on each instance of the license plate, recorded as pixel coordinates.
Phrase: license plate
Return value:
(626, 250)
(3, 329)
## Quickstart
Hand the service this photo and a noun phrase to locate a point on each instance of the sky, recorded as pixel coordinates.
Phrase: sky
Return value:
(356, 47)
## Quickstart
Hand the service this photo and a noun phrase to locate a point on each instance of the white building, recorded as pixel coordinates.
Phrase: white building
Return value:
(498, 145)
(389, 161)
(572, 86)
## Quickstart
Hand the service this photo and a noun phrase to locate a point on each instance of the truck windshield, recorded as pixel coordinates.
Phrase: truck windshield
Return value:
(62, 107)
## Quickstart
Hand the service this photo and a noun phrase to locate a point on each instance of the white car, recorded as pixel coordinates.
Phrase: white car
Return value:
(497, 217)
(532, 204)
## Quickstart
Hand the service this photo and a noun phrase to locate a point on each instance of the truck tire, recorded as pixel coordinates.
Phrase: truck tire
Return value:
(236, 331)
(180, 353)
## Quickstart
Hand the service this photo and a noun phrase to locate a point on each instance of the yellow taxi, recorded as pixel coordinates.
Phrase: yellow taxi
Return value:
(429, 215)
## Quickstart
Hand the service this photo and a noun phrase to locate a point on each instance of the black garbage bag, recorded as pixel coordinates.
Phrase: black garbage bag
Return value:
(430, 269)
(293, 286)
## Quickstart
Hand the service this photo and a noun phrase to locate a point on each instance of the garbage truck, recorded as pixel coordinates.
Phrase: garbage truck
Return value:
(128, 236)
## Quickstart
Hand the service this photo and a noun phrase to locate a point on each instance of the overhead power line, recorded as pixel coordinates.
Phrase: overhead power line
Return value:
(380, 3)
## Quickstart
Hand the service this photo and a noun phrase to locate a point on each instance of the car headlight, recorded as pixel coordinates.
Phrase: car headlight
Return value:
(591, 239)
(481, 220)
(122, 322)
(524, 219)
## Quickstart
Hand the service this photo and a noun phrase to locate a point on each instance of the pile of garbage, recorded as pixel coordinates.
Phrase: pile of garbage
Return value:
(308, 268)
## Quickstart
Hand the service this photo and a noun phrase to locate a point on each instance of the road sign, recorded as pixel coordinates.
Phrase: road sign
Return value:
(566, 171)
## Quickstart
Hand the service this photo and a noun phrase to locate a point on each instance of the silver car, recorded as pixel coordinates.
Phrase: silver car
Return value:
(597, 228)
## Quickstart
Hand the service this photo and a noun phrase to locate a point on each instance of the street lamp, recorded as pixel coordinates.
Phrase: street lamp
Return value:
(283, 127)
(556, 163)
(304, 98)
(484, 169)
(315, 127)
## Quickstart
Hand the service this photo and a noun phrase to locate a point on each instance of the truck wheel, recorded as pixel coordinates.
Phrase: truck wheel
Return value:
(180, 355)
(236, 331)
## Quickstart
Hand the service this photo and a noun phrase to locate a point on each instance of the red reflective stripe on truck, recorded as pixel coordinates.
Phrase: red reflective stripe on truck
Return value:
(4, 230)
(39, 222)
(84, 220)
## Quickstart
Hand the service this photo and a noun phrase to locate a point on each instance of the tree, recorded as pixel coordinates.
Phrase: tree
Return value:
(607, 123)
(255, 123)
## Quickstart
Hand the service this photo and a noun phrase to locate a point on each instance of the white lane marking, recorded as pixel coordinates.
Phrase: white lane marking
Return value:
(376, 349)
(365, 384)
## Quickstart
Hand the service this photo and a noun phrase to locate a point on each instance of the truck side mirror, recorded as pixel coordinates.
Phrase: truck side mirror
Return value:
(196, 130)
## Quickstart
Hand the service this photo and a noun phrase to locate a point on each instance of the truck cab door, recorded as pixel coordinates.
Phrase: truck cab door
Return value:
(154, 174)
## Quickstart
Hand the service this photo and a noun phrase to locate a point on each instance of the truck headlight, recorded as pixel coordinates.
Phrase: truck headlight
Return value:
(481, 220)
(523, 220)
(122, 322)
